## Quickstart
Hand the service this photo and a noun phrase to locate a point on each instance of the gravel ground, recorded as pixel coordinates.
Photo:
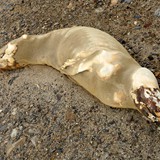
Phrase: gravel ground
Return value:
(43, 115)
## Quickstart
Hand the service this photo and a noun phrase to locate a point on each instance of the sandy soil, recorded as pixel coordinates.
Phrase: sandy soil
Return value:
(43, 115)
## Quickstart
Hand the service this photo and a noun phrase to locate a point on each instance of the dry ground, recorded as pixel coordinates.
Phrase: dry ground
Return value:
(43, 115)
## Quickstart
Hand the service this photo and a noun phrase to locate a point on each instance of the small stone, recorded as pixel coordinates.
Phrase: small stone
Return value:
(126, 1)
(10, 82)
(55, 24)
(14, 133)
(31, 131)
(157, 12)
(70, 6)
(34, 140)
(137, 16)
(113, 2)
(10, 7)
(20, 127)
(14, 112)
(35, 9)
(137, 27)
(3, 128)
(135, 22)
(99, 10)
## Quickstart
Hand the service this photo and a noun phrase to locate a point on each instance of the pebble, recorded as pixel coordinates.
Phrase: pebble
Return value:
(137, 27)
(14, 133)
(14, 112)
(70, 6)
(34, 140)
(3, 128)
(10, 7)
(99, 10)
(113, 2)
(31, 131)
(157, 12)
(20, 127)
(36, 8)
(135, 22)
(10, 82)
(137, 16)
(126, 1)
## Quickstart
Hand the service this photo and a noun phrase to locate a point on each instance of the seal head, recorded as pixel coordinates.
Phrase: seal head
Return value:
(147, 101)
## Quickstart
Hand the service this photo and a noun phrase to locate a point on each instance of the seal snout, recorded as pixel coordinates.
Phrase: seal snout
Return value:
(147, 101)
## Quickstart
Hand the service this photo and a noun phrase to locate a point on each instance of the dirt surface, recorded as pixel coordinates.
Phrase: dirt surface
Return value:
(43, 115)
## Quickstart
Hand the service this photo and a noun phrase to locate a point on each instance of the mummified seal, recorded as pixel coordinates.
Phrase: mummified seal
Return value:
(94, 60)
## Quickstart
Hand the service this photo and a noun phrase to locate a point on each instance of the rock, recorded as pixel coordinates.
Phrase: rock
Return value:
(70, 6)
(10, 82)
(135, 22)
(20, 127)
(99, 10)
(157, 12)
(138, 27)
(34, 140)
(32, 131)
(126, 1)
(36, 8)
(113, 2)
(137, 16)
(14, 133)
(3, 128)
(14, 112)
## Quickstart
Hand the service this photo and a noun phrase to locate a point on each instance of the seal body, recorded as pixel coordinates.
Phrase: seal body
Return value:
(90, 57)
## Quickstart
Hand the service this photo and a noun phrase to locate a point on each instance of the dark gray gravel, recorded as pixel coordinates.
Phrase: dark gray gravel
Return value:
(43, 115)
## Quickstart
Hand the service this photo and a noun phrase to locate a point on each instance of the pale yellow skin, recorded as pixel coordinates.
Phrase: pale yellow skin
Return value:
(92, 58)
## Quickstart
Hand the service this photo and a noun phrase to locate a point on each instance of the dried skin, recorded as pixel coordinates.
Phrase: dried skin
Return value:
(90, 57)
(148, 102)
